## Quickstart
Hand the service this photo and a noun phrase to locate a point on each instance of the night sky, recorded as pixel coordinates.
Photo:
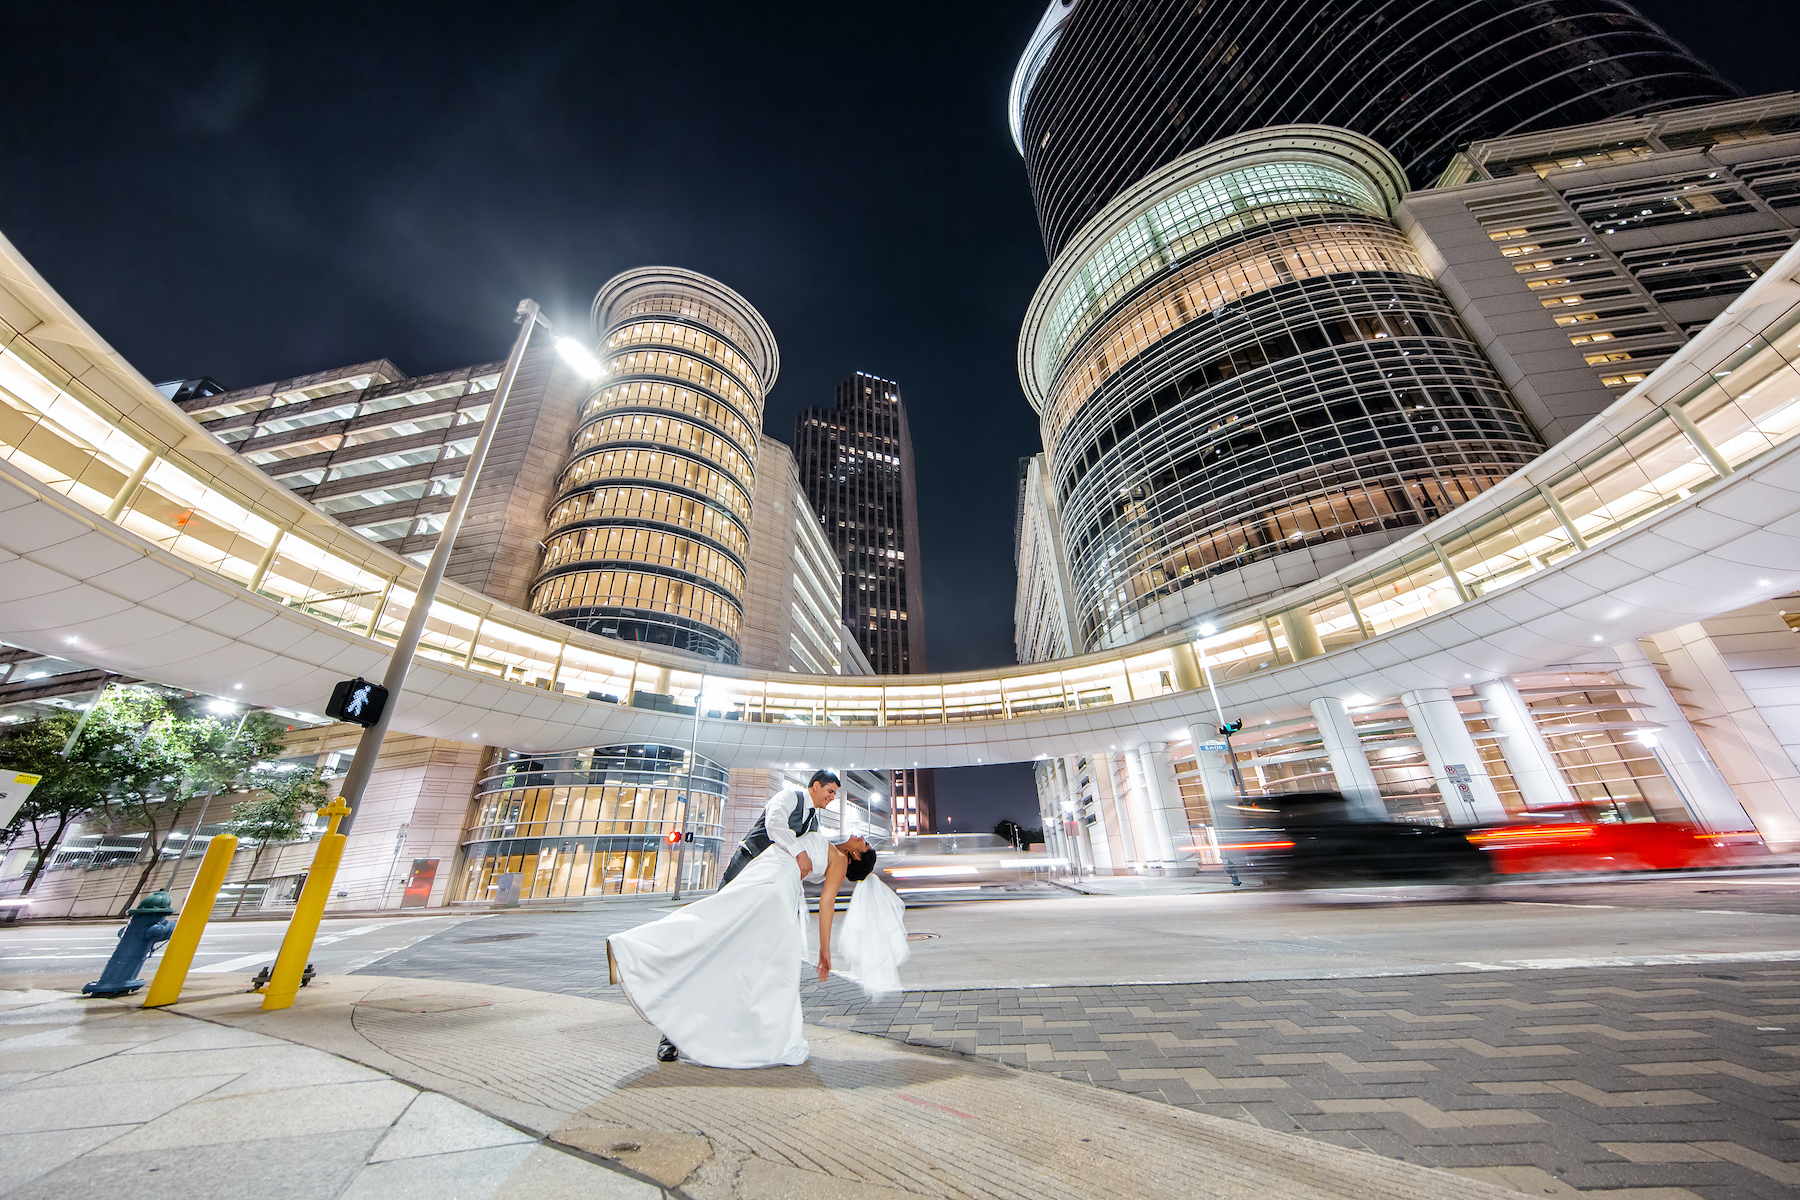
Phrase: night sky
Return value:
(253, 191)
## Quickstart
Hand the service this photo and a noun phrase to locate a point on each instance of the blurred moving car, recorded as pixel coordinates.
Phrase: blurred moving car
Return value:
(1309, 839)
(1575, 837)
(956, 861)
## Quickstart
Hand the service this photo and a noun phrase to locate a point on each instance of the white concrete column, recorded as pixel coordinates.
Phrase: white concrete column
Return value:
(1468, 794)
(1301, 634)
(1528, 757)
(1147, 811)
(1049, 809)
(1349, 762)
(1099, 847)
(1059, 792)
(1678, 747)
(1103, 770)
(1165, 795)
(1059, 788)
(1215, 779)
(1074, 844)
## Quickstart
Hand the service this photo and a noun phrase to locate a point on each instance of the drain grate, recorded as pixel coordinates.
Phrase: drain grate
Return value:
(494, 937)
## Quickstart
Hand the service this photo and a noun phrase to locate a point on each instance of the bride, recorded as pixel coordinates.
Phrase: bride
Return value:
(718, 978)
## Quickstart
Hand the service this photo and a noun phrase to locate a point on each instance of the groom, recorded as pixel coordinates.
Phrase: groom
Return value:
(792, 814)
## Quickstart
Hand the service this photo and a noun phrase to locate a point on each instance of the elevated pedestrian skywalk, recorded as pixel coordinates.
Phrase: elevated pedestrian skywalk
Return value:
(134, 541)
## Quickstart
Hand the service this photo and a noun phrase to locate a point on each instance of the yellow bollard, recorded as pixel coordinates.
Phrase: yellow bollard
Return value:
(178, 955)
(303, 927)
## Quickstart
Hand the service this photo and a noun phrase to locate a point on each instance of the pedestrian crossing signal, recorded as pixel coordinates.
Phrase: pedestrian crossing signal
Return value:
(672, 837)
(1231, 727)
(357, 701)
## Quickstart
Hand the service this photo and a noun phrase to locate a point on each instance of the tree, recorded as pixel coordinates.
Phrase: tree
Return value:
(1017, 834)
(142, 759)
(68, 791)
(161, 754)
(227, 753)
(275, 814)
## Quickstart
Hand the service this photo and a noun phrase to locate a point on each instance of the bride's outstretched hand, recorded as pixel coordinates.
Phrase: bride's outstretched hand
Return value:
(824, 964)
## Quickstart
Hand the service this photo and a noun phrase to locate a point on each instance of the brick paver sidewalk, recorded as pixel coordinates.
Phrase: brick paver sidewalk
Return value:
(1655, 1083)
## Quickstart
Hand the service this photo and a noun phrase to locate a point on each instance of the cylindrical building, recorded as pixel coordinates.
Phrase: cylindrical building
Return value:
(648, 541)
(648, 534)
(1246, 378)
(1110, 90)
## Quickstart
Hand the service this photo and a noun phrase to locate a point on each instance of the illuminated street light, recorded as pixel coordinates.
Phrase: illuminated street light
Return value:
(579, 357)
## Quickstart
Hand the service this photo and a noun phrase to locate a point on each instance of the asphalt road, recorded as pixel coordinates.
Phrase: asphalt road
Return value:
(1053, 936)
(1064, 938)
(343, 946)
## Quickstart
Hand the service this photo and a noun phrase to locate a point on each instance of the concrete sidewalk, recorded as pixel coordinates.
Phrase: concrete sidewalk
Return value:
(402, 1087)
(105, 1098)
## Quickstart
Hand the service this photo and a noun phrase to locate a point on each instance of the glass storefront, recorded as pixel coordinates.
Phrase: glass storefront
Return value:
(594, 822)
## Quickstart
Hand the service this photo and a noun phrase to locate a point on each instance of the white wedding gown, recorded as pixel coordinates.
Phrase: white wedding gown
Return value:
(721, 979)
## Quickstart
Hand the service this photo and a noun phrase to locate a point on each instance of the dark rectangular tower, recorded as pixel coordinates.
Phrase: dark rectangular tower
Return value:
(856, 465)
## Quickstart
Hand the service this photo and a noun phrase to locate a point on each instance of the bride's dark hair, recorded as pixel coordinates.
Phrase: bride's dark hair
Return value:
(860, 867)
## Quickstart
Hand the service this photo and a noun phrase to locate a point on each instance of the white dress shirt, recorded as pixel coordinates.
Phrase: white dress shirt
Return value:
(776, 814)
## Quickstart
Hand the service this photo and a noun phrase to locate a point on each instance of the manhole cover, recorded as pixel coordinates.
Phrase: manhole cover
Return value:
(494, 937)
(425, 1004)
(921, 937)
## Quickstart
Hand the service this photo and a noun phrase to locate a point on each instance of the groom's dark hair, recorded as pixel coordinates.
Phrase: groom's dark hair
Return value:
(823, 776)
(860, 866)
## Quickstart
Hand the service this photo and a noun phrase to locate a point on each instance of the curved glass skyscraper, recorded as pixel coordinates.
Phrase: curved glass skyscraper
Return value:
(1246, 378)
(649, 532)
(1110, 90)
(648, 540)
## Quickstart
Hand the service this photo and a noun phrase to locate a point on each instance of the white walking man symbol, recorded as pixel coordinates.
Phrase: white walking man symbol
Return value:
(359, 700)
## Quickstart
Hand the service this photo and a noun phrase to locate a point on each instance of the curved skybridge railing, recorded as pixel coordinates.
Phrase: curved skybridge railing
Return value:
(81, 422)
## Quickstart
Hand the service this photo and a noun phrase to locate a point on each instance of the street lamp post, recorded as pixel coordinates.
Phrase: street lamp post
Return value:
(303, 926)
(688, 791)
(368, 747)
(399, 841)
(1237, 776)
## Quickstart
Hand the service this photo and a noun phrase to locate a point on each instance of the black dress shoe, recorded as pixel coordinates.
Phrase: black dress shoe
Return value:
(666, 1051)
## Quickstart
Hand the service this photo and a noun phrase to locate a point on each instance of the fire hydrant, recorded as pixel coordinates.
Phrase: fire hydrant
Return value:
(151, 924)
